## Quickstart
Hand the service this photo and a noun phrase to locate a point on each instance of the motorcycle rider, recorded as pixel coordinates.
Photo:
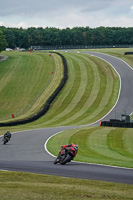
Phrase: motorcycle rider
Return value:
(8, 135)
(72, 146)
(67, 153)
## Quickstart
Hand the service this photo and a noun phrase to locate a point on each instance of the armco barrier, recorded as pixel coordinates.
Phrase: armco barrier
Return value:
(117, 124)
(128, 53)
(47, 104)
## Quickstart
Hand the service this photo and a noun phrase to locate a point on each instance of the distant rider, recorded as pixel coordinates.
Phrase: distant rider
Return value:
(7, 134)
(72, 146)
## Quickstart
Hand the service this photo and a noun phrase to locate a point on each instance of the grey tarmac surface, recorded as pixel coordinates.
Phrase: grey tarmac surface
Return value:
(125, 102)
(25, 152)
(2, 58)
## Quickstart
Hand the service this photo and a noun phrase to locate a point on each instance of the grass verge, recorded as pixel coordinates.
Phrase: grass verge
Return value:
(31, 186)
(90, 92)
(18, 185)
(102, 145)
(27, 81)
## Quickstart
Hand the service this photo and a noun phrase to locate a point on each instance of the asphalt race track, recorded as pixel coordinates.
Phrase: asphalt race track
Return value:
(125, 102)
(25, 152)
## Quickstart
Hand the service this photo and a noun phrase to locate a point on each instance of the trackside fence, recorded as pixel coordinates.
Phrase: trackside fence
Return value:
(117, 124)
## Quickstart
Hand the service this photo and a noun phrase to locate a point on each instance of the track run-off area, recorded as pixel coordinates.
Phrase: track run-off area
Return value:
(26, 151)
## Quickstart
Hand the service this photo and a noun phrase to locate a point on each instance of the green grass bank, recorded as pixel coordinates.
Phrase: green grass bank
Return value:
(76, 104)
(90, 92)
(17, 185)
(27, 80)
(101, 145)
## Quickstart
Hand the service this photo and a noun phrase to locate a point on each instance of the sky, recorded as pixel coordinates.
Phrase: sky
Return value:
(66, 13)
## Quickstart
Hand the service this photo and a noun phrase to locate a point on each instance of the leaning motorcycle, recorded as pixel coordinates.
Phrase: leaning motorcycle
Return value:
(65, 155)
(5, 140)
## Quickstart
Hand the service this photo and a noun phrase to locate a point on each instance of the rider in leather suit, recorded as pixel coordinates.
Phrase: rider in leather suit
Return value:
(73, 146)
(7, 134)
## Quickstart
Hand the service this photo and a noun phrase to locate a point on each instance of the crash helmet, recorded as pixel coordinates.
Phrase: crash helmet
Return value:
(8, 133)
(75, 146)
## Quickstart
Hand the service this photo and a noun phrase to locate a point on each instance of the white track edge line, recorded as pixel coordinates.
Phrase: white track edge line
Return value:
(45, 144)
(119, 88)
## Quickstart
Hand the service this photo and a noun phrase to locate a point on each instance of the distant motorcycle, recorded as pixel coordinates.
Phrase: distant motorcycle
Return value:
(6, 137)
(65, 155)
(5, 140)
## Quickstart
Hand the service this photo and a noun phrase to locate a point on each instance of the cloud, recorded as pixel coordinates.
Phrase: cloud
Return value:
(118, 22)
(28, 7)
(1, 23)
(19, 25)
(96, 5)
(62, 13)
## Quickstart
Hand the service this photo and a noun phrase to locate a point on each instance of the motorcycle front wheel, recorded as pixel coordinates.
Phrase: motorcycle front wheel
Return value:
(56, 161)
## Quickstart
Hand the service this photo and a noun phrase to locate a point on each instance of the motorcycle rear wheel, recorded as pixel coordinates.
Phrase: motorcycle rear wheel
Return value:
(67, 159)
(4, 142)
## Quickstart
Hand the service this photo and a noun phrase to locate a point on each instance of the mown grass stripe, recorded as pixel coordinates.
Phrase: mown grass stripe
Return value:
(106, 84)
(61, 101)
(89, 95)
(68, 109)
(101, 145)
(76, 101)
(95, 145)
(6, 73)
(69, 102)
(102, 104)
(93, 103)
(57, 76)
(128, 140)
(96, 95)
(7, 92)
(31, 76)
(82, 101)
(85, 150)
(116, 143)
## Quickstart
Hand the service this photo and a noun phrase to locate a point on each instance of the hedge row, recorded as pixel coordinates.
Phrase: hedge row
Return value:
(47, 104)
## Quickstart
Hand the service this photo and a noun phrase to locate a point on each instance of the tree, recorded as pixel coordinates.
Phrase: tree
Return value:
(10, 37)
(24, 38)
(3, 42)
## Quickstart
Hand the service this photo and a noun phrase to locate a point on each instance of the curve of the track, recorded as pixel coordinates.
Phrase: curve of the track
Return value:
(25, 152)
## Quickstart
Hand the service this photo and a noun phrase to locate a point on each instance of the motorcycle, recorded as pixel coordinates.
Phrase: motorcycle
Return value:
(65, 155)
(5, 140)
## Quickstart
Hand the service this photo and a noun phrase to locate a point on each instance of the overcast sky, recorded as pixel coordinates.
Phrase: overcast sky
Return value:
(66, 13)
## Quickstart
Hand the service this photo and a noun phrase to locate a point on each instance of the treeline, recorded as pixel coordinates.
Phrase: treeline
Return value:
(24, 38)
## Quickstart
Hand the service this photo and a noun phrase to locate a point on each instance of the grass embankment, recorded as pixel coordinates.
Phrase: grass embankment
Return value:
(14, 186)
(120, 54)
(90, 92)
(103, 145)
(26, 82)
